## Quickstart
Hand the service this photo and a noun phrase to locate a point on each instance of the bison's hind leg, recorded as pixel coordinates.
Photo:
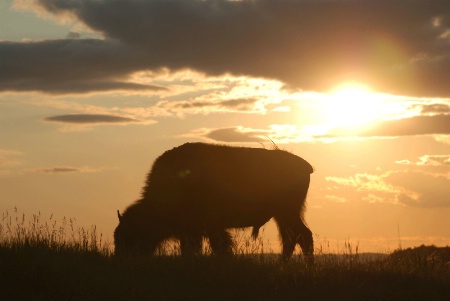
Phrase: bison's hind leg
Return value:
(293, 231)
(306, 242)
(221, 242)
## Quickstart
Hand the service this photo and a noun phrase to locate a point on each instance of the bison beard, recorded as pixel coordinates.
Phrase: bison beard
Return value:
(200, 190)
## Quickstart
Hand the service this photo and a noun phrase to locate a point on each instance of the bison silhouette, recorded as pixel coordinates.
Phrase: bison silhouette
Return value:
(200, 190)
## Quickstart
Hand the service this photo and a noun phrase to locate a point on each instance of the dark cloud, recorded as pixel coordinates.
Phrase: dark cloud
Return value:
(68, 66)
(395, 46)
(74, 86)
(419, 125)
(234, 134)
(90, 119)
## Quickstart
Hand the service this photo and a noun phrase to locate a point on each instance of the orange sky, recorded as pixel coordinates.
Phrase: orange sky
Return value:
(91, 92)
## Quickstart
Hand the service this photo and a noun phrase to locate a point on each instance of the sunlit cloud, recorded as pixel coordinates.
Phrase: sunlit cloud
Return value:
(367, 187)
(445, 139)
(185, 93)
(199, 94)
(336, 199)
(428, 160)
(368, 114)
(411, 188)
(364, 182)
(432, 189)
(404, 162)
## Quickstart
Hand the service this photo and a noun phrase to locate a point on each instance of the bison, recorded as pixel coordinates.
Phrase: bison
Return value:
(200, 190)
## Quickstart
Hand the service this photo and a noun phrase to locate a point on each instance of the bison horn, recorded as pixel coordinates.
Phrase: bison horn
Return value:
(119, 216)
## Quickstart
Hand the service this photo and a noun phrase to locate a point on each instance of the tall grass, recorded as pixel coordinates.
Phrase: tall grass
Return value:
(18, 232)
(58, 260)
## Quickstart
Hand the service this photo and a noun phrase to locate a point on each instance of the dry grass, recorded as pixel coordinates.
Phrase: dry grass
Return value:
(16, 231)
(50, 260)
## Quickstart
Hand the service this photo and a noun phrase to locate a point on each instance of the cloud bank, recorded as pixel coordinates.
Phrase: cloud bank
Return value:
(394, 46)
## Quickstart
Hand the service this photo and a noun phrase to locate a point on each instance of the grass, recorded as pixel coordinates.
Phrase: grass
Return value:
(60, 261)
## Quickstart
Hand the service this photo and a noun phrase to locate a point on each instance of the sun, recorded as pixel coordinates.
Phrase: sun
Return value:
(351, 104)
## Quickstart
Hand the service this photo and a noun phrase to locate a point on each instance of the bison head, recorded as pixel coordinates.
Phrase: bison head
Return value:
(139, 232)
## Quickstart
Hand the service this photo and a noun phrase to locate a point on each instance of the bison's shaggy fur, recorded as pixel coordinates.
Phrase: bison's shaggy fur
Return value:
(200, 190)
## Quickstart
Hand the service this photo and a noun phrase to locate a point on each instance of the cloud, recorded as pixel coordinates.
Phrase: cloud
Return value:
(72, 86)
(365, 182)
(432, 189)
(435, 109)
(67, 169)
(68, 66)
(394, 46)
(406, 187)
(235, 134)
(234, 104)
(196, 93)
(418, 125)
(279, 133)
(428, 160)
(90, 119)
(82, 122)
(434, 160)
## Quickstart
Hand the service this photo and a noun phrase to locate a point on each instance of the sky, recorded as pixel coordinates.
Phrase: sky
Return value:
(93, 91)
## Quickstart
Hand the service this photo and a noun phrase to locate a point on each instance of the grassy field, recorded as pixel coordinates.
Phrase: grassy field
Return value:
(59, 261)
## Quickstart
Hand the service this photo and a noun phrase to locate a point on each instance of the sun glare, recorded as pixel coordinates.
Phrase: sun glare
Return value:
(351, 104)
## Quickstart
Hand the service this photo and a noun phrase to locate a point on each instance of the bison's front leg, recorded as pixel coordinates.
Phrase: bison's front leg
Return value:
(191, 244)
